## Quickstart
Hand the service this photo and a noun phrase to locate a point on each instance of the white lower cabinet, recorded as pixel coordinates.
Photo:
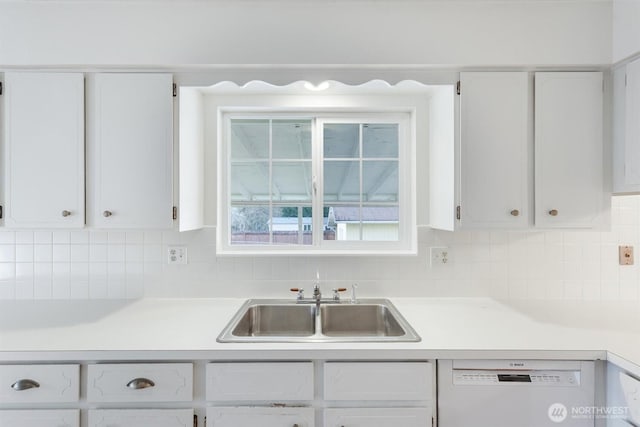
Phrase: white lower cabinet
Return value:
(260, 416)
(40, 418)
(378, 381)
(140, 382)
(267, 381)
(39, 383)
(141, 418)
(377, 417)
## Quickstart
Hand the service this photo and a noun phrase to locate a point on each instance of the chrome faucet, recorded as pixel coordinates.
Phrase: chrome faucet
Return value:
(317, 295)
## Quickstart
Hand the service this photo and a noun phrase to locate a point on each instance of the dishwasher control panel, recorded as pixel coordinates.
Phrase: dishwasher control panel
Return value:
(500, 377)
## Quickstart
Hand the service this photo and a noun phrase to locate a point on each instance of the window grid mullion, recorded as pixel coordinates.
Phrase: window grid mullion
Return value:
(271, 181)
(360, 154)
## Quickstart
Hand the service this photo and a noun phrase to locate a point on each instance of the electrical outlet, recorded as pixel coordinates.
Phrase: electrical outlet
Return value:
(439, 256)
(177, 255)
(625, 255)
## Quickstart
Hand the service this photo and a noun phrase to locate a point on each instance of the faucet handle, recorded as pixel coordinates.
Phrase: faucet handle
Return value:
(336, 293)
(300, 292)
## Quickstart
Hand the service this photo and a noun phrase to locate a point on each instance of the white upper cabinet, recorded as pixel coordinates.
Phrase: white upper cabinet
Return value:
(130, 151)
(569, 180)
(44, 150)
(494, 150)
(626, 128)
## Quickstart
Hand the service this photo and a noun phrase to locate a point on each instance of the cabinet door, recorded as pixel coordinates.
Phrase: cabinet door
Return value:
(626, 128)
(141, 418)
(258, 416)
(377, 417)
(131, 151)
(44, 150)
(40, 418)
(569, 181)
(494, 150)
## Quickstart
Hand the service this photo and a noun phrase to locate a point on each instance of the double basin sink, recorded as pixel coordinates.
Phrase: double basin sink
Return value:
(272, 320)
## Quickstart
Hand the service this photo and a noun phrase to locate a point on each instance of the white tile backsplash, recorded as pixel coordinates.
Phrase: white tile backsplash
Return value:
(569, 265)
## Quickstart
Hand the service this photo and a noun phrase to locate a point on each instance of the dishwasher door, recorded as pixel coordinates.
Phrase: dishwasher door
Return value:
(510, 393)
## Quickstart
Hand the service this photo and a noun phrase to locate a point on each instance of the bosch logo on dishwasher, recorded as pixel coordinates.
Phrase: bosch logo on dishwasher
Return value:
(557, 412)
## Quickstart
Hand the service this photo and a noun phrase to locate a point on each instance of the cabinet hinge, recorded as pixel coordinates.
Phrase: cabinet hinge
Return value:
(625, 83)
(1, 87)
(458, 87)
(458, 212)
(175, 90)
(205, 421)
(1, 213)
(195, 421)
(174, 212)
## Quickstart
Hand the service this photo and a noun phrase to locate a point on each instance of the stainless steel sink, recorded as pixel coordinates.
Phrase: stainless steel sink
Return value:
(271, 320)
(263, 320)
(359, 320)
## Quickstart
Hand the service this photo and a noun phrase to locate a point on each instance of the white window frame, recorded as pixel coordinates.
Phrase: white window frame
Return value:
(407, 232)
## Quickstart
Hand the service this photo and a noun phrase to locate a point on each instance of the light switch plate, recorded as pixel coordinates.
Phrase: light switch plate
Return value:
(625, 255)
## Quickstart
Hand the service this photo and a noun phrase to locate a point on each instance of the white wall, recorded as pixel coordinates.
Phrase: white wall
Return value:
(626, 29)
(455, 32)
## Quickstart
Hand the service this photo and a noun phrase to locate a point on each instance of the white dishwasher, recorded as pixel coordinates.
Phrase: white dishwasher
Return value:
(516, 393)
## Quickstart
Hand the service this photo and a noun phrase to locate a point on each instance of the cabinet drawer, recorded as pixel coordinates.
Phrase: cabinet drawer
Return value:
(147, 382)
(41, 418)
(39, 383)
(141, 418)
(260, 381)
(377, 417)
(631, 390)
(378, 381)
(262, 417)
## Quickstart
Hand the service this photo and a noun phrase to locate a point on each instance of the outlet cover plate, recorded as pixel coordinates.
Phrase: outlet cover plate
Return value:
(625, 255)
(177, 255)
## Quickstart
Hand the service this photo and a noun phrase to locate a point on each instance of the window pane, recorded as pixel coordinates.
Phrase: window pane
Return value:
(292, 225)
(250, 181)
(380, 140)
(291, 139)
(291, 181)
(249, 224)
(341, 141)
(369, 223)
(380, 223)
(342, 223)
(249, 139)
(380, 181)
(341, 181)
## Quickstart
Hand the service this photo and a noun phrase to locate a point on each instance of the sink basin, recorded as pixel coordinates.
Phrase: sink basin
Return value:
(359, 320)
(262, 320)
(368, 320)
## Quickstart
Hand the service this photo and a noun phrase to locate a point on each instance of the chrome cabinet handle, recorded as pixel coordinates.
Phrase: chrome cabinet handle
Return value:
(66, 213)
(24, 384)
(553, 212)
(140, 383)
(107, 214)
(515, 212)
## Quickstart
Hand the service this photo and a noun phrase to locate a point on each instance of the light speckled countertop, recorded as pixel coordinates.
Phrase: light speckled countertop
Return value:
(449, 327)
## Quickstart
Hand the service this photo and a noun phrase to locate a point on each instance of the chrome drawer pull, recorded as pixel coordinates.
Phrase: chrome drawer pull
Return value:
(140, 383)
(24, 384)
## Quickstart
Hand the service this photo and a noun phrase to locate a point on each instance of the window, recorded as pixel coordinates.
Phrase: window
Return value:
(317, 182)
